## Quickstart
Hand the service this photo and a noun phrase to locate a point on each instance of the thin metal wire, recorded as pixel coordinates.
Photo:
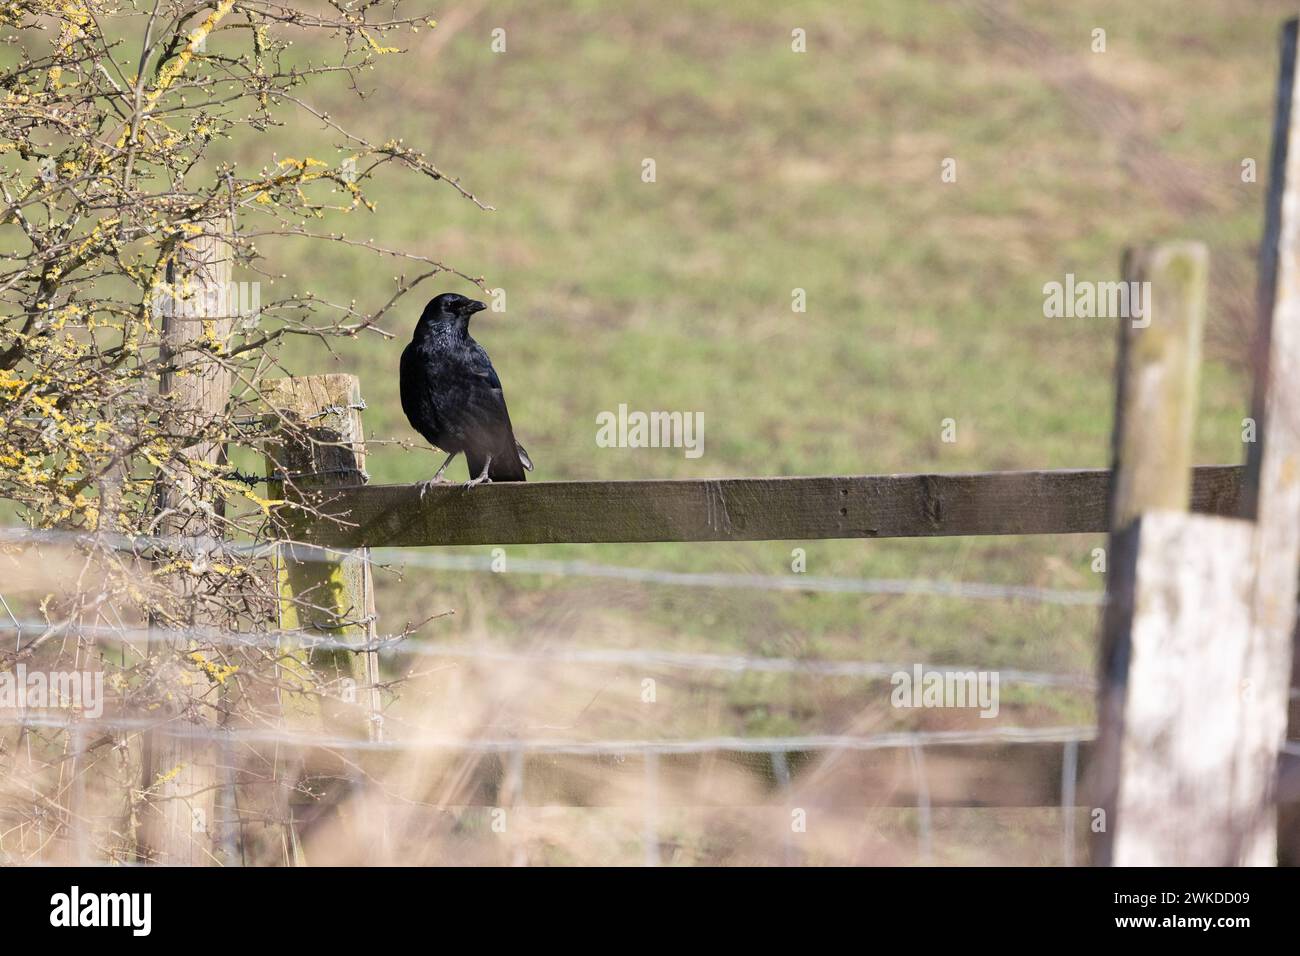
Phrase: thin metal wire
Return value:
(729, 663)
(973, 590)
(823, 742)
(766, 582)
(740, 663)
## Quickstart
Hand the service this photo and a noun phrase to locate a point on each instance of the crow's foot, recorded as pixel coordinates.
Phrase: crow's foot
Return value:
(487, 466)
(431, 482)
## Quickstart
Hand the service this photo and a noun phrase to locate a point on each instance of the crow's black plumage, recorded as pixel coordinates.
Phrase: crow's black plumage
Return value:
(452, 396)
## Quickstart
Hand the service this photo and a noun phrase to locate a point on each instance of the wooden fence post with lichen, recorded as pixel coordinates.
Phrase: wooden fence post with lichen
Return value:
(319, 444)
(176, 813)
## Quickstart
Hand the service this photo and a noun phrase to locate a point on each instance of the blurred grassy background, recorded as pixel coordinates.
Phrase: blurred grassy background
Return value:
(820, 171)
(817, 171)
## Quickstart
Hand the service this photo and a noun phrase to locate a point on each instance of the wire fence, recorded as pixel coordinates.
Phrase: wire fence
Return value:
(777, 749)
(555, 746)
(142, 546)
(398, 644)
(970, 590)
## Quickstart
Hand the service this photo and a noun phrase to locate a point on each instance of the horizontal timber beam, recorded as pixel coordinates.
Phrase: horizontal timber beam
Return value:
(729, 509)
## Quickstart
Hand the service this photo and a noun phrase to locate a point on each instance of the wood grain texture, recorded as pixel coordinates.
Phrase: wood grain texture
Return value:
(1189, 697)
(1155, 409)
(178, 820)
(732, 509)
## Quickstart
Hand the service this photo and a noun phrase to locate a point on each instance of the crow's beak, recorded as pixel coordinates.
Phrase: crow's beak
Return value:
(474, 306)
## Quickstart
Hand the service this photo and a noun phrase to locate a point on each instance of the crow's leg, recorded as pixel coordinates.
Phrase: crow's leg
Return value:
(483, 477)
(437, 475)
(437, 478)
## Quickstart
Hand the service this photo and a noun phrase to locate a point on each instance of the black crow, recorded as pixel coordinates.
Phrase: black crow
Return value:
(452, 396)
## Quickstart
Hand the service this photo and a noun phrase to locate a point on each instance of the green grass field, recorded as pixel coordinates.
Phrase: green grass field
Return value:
(818, 171)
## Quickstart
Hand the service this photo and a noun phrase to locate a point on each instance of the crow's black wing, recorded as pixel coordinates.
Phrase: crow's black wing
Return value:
(486, 421)
(417, 396)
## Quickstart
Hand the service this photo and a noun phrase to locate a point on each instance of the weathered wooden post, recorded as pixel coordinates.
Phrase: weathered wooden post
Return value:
(1137, 775)
(177, 777)
(1196, 648)
(320, 446)
(1271, 492)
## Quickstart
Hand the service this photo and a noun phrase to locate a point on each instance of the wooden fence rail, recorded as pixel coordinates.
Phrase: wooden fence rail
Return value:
(732, 509)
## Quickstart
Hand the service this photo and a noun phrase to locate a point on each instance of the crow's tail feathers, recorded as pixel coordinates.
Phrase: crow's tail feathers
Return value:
(523, 456)
(504, 467)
